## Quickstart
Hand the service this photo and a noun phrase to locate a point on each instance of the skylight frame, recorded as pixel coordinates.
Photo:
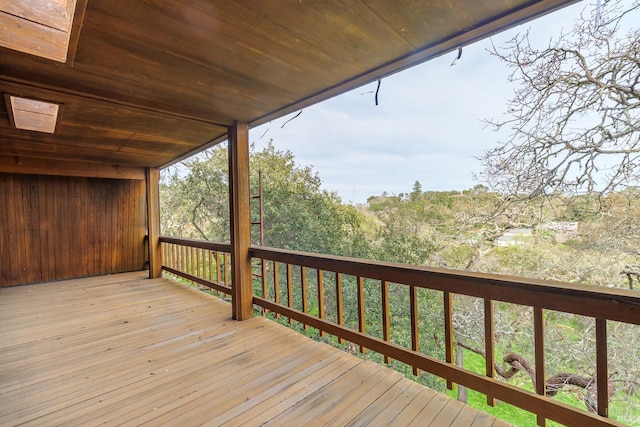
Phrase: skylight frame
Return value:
(32, 114)
(41, 27)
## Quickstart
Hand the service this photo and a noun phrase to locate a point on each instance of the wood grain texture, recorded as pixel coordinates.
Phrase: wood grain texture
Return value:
(30, 165)
(153, 222)
(134, 351)
(198, 66)
(56, 228)
(240, 213)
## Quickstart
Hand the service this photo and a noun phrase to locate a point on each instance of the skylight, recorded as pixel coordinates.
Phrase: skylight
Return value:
(30, 114)
(37, 27)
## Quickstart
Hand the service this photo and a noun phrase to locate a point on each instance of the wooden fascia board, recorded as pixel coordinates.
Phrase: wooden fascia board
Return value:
(27, 165)
(76, 28)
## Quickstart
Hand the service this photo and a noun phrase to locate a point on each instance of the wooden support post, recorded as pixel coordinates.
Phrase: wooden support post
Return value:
(242, 294)
(153, 222)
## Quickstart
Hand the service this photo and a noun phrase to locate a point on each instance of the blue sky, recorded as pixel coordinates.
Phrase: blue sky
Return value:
(427, 127)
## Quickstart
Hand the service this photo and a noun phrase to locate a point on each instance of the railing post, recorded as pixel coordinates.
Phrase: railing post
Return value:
(153, 222)
(602, 371)
(488, 344)
(242, 295)
(538, 342)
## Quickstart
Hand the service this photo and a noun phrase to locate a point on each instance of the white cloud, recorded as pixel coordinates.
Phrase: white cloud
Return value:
(427, 126)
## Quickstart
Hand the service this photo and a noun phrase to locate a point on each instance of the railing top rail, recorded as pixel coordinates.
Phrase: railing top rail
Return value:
(202, 244)
(606, 303)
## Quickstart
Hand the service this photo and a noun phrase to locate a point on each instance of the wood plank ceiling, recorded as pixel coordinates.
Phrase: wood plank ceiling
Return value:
(147, 82)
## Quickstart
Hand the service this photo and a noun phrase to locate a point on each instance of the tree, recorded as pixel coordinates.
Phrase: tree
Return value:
(299, 214)
(575, 115)
(416, 191)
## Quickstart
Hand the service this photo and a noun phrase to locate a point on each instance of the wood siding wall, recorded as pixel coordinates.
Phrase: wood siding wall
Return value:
(55, 228)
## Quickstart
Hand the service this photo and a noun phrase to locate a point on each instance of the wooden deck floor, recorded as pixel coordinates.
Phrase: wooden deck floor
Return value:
(124, 350)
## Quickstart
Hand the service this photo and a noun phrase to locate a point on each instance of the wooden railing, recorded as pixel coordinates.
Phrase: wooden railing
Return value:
(196, 261)
(275, 291)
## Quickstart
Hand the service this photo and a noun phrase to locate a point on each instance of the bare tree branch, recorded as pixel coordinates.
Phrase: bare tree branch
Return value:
(575, 115)
(514, 363)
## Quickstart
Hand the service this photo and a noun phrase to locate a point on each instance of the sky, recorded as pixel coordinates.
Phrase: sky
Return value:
(428, 126)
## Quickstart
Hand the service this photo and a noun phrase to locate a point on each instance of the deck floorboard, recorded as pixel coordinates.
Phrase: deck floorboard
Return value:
(125, 350)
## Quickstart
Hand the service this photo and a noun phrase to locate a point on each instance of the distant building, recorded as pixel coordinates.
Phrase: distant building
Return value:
(514, 236)
(563, 230)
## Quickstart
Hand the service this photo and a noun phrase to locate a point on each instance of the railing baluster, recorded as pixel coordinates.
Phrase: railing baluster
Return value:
(448, 332)
(488, 344)
(602, 375)
(174, 252)
(361, 325)
(276, 286)
(198, 259)
(216, 260)
(289, 290)
(194, 262)
(386, 327)
(339, 303)
(183, 264)
(225, 262)
(265, 288)
(303, 284)
(193, 256)
(413, 302)
(185, 260)
(538, 342)
(321, 298)
(210, 264)
(216, 272)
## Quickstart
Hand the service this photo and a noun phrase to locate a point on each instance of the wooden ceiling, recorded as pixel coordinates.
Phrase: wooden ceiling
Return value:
(148, 82)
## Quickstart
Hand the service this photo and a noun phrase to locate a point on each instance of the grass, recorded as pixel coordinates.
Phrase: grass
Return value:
(502, 410)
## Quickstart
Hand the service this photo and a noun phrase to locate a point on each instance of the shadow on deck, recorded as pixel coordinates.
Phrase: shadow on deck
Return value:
(123, 349)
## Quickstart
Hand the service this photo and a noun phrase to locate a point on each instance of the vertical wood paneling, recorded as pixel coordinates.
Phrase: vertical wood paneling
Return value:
(56, 228)
(31, 198)
(4, 238)
(51, 236)
(19, 233)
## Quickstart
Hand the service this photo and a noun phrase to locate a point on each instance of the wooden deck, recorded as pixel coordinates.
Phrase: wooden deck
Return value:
(125, 350)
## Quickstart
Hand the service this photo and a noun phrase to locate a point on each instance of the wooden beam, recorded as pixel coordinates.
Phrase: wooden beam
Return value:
(153, 222)
(29, 165)
(242, 306)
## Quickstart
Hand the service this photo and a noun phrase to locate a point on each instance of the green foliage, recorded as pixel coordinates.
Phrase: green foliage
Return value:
(298, 213)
